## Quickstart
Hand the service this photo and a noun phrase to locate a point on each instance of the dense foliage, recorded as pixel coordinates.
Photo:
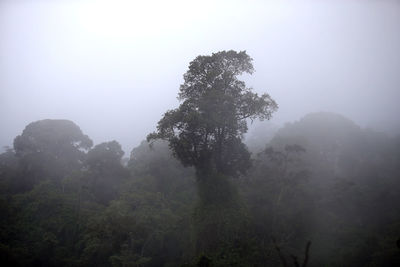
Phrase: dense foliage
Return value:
(206, 131)
(322, 179)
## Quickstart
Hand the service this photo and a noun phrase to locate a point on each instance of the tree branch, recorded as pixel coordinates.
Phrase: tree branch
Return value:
(306, 254)
(281, 257)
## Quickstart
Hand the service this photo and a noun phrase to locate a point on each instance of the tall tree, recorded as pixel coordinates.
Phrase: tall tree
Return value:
(206, 131)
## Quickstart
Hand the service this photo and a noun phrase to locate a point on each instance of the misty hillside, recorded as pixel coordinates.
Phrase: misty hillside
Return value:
(321, 179)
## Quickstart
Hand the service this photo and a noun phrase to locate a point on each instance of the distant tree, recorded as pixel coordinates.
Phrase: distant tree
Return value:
(206, 131)
(51, 148)
(105, 157)
(9, 171)
(105, 171)
(163, 171)
(279, 200)
(61, 138)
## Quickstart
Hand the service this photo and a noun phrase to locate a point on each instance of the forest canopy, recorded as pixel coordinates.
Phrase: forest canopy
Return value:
(320, 191)
(322, 178)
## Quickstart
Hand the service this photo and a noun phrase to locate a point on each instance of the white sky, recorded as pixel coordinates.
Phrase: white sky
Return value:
(114, 67)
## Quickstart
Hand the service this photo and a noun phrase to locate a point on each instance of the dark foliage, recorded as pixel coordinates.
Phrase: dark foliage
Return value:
(206, 130)
(321, 179)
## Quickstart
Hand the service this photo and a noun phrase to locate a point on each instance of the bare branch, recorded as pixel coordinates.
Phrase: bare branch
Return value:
(306, 253)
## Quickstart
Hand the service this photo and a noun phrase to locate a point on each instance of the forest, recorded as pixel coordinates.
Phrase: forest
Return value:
(319, 191)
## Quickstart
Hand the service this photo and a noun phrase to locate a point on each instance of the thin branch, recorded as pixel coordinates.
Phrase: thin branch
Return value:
(295, 261)
(281, 257)
(306, 254)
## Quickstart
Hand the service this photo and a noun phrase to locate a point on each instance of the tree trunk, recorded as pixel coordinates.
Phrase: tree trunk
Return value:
(219, 217)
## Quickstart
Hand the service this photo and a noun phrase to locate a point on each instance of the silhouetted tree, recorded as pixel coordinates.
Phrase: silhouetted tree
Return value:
(206, 130)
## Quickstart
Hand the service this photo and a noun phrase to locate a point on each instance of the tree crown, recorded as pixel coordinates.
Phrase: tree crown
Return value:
(206, 130)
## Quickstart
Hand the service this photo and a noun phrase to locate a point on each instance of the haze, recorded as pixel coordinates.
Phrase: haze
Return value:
(114, 67)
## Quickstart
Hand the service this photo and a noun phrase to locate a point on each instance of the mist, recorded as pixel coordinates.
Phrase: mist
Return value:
(199, 133)
(114, 67)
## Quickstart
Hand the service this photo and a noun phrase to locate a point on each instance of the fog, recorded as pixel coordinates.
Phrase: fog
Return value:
(114, 67)
(84, 83)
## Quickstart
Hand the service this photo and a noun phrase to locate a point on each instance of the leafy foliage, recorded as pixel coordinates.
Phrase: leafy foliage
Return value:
(50, 149)
(321, 178)
(105, 172)
(207, 128)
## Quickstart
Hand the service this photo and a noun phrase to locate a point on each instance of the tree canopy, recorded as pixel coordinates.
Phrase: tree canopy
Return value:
(50, 149)
(105, 156)
(206, 130)
(105, 172)
(60, 138)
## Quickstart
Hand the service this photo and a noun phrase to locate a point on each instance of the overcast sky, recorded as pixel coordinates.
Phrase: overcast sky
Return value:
(114, 67)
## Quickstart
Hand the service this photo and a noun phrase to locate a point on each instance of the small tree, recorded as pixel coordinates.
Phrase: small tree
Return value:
(206, 131)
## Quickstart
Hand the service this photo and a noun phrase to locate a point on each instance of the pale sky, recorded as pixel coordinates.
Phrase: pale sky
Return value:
(114, 67)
